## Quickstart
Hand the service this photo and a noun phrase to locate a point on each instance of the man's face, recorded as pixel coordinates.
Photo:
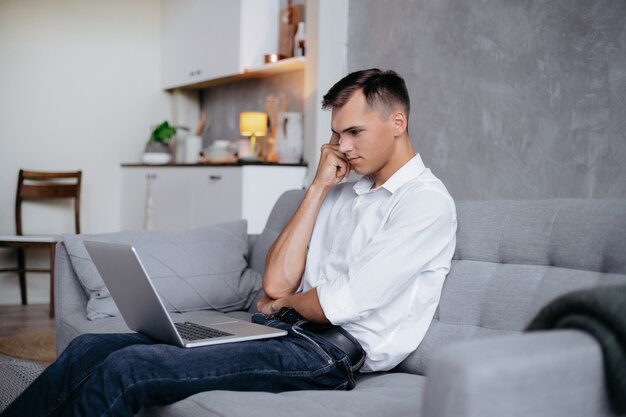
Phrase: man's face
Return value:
(364, 137)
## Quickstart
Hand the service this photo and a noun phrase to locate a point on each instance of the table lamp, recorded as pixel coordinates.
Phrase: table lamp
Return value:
(253, 124)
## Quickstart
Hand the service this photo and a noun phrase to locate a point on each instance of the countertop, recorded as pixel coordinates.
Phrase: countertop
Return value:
(233, 164)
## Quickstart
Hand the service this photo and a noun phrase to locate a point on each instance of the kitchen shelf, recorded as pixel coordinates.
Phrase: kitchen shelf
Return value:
(281, 67)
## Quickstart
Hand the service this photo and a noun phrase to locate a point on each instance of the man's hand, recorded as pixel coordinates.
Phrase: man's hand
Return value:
(266, 306)
(305, 303)
(333, 166)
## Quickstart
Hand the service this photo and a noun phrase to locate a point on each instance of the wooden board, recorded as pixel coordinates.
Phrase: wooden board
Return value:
(289, 18)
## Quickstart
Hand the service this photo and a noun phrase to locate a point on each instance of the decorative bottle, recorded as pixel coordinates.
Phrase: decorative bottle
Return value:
(299, 41)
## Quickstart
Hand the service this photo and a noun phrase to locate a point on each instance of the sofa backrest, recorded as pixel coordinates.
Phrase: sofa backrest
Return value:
(513, 257)
(282, 211)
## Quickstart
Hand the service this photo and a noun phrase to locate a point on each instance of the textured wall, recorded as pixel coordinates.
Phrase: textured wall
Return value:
(222, 104)
(510, 99)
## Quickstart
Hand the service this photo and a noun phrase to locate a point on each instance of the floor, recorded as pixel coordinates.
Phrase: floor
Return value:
(15, 376)
(18, 318)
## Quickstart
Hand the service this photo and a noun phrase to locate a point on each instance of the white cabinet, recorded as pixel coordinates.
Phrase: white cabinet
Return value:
(180, 197)
(209, 39)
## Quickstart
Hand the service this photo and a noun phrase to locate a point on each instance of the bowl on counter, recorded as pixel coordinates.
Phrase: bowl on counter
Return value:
(219, 152)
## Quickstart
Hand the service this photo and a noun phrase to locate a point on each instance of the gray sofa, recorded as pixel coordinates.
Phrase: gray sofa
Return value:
(512, 258)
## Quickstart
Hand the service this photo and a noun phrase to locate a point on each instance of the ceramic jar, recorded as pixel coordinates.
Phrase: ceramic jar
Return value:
(290, 137)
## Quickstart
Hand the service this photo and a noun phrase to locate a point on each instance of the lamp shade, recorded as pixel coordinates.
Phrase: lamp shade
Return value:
(253, 123)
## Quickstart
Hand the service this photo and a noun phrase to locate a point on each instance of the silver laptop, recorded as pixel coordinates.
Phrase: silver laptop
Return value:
(144, 312)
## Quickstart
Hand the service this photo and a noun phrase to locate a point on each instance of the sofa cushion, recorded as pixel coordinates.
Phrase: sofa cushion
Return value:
(197, 269)
(374, 395)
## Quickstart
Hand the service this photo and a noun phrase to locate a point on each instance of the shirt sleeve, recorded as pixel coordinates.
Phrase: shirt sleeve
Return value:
(419, 228)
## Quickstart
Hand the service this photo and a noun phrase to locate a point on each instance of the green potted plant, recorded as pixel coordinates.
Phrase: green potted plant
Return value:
(158, 149)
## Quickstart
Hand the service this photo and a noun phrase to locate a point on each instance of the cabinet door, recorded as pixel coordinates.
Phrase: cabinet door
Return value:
(182, 198)
(203, 40)
(216, 195)
(261, 188)
(200, 40)
(156, 198)
(171, 199)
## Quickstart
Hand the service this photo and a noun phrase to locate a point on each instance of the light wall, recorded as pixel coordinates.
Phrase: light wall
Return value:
(79, 83)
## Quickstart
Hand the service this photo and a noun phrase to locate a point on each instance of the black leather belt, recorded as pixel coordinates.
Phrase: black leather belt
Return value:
(334, 335)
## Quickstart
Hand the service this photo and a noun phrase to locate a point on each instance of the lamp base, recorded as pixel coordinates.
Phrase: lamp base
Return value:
(249, 158)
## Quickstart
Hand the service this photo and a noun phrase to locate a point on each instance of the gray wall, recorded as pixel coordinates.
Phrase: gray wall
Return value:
(510, 98)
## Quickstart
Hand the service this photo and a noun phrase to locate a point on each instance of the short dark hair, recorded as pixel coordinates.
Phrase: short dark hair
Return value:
(383, 90)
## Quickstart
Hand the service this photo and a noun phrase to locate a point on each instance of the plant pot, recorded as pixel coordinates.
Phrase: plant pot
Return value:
(156, 153)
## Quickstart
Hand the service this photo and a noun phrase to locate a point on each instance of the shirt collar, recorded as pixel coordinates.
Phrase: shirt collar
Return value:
(411, 170)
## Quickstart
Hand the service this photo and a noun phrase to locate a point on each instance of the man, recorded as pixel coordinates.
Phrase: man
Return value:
(355, 277)
(380, 248)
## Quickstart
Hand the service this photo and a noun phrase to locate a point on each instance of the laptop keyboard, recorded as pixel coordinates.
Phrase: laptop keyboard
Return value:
(192, 331)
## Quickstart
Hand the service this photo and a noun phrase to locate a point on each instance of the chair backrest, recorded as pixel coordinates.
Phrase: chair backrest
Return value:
(39, 185)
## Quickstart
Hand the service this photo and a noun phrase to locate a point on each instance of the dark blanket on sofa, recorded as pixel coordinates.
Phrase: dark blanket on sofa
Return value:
(601, 312)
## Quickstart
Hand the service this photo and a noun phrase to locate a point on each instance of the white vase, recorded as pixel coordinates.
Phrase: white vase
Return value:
(193, 146)
(289, 137)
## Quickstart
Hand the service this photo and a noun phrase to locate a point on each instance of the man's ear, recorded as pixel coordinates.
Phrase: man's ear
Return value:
(398, 118)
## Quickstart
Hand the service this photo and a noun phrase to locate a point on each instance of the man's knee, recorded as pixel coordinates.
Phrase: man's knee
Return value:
(125, 360)
(83, 341)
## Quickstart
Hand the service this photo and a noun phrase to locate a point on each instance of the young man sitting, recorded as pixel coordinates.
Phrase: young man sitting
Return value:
(355, 277)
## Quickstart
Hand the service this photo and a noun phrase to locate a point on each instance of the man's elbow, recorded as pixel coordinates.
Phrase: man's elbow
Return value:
(269, 290)
(276, 291)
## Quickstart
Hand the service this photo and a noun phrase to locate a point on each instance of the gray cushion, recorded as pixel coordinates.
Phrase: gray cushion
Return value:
(513, 257)
(374, 395)
(198, 269)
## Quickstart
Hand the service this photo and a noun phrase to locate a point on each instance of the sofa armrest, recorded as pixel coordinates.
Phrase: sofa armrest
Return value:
(70, 300)
(555, 373)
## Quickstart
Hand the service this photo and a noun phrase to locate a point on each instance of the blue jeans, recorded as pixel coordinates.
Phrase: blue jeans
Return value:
(117, 374)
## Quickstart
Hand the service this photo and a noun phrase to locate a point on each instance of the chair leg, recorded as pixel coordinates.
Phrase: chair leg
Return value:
(21, 265)
(52, 256)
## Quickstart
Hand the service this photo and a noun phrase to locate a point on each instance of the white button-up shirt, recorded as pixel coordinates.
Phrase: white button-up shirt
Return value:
(379, 257)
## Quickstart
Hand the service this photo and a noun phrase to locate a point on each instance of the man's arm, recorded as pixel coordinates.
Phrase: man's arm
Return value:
(286, 259)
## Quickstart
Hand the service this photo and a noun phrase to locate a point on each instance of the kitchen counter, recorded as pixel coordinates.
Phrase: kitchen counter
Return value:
(234, 164)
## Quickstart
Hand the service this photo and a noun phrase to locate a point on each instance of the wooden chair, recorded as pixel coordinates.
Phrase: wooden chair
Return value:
(37, 185)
